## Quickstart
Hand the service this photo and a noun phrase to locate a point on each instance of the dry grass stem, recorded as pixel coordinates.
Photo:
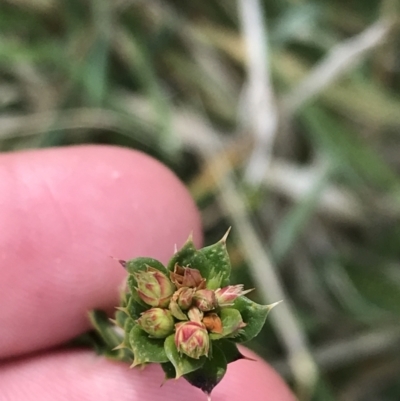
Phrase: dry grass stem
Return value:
(340, 60)
(259, 108)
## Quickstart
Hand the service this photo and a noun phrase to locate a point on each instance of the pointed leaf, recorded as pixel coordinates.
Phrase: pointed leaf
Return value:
(231, 319)
(169, 371)
(141, 264)
(120, 318)
(135, 308)
(253, 314)
(146, 349)
(218, 258)
(181, 362)
(128, 326)
(189, 256)
(132, 284)
(109, 336)
(105, 328)
(230, 350)
(210, 374)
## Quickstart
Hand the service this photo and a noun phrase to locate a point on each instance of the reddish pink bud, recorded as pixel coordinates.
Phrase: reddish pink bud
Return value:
(154, 287)
(225, 296)
(187, 277)
(191, 338)
(205, 300)
(181, 300)
(185, 297)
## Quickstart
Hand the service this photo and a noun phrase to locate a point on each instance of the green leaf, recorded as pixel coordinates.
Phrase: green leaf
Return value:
(109, 336)
(146, 349)
(210, 374)
(120, 318)
(105, 328)
(124, 297)
(132, 284)
(135, 308)
(169, 371)
(181, 362)
(140, 264)
(128, 326)
(218, 258)
(189, 256)
(229, 349)
(253, 314)
(231, 319)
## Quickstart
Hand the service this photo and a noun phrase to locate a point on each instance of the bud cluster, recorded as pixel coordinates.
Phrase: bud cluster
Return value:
(185, 316)
(182, 304)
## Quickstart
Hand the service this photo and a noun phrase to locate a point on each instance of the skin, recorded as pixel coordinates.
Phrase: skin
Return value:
(63, 213)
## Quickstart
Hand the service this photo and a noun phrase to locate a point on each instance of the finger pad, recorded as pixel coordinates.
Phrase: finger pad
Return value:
(64, 213)
(83, 376)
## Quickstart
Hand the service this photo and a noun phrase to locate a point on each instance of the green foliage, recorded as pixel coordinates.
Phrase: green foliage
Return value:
(211, 373)
(109, 338)
(188, 343)
(146, 349)
(218, 258)
(189, 256)
(134, 307)
(104, 327)
(253, 315)
(229, 349)
(141, 264)
(231, 319)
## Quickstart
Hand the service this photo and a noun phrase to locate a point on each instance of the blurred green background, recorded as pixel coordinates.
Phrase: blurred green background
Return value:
(283, 119)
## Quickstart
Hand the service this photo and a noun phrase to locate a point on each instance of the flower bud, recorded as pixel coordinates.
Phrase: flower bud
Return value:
(157, 322)
(205, 300)
(213, 323)
(185, 297)
(187, 277)
(182, 299)
(195, 314)
(191, 338)
(154, 287)
(225, 296)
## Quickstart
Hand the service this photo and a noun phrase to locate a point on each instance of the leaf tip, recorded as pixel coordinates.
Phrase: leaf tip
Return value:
(179, 373)
(190, 238)
(135, 363)
(120, 261)
(271, 306)
(224, 238)
(113, 321)
(118, 347)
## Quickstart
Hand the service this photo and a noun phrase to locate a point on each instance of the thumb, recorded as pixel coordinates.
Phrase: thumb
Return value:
(83, 376)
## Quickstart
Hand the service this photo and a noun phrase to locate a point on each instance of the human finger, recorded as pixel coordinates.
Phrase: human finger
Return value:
(83, 376)
(63, 213)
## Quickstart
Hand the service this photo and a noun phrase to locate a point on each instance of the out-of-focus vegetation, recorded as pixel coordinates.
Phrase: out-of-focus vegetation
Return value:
(319, 224)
